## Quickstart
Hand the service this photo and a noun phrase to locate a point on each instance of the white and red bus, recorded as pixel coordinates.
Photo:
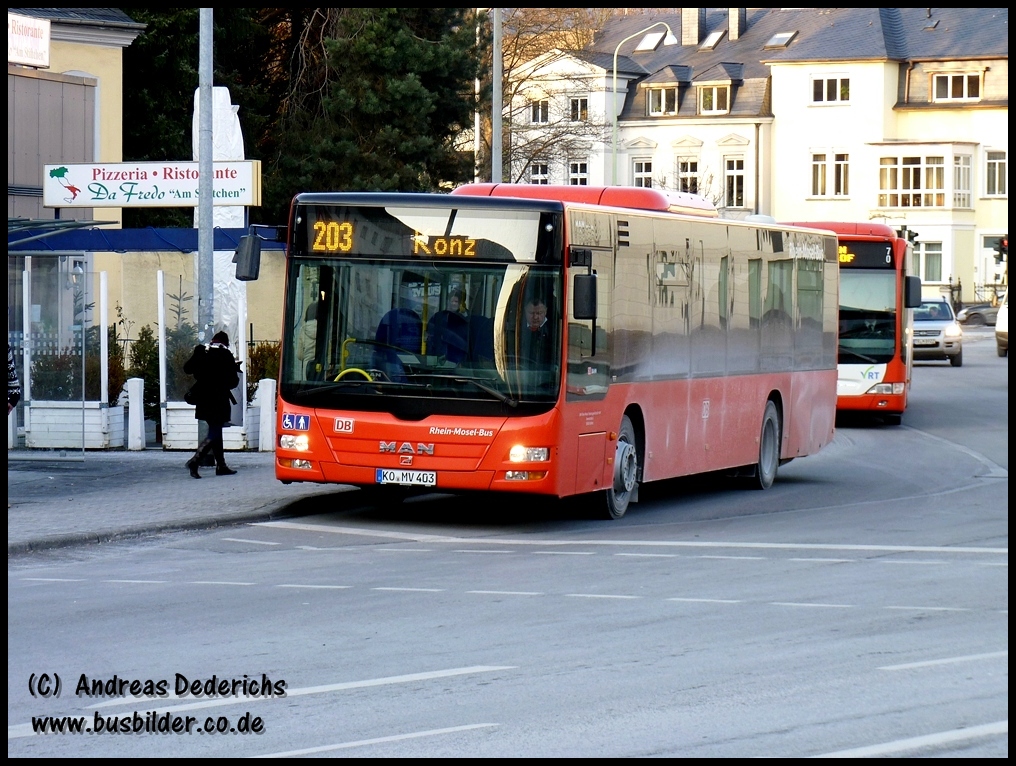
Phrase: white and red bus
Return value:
(875, 356)
(549, 340)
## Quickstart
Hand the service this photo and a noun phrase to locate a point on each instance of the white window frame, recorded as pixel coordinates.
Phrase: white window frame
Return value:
(539, 111)
(920, 257)
(912, 181)
(578, 172)
(830, 173)
(579, 109)
(953, 81)
(733, 181)
(837, 83)
(714, 91)
(687, 175)
(996, 173)
(539, 172)
(962, 173)
(661, 101)
(642, 173)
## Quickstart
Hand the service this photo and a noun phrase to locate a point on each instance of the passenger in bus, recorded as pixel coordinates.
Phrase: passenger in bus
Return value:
(448, 330)
(306, 342)
(399, 329)
(536, 343)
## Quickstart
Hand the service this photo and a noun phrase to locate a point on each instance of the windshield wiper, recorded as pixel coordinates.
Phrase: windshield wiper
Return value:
(499, 395)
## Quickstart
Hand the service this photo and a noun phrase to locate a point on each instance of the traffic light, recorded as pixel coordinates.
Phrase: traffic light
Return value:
(908, 234)
(1002, 249)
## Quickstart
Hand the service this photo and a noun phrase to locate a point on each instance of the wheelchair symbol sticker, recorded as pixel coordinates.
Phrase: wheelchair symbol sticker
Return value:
(292, 422)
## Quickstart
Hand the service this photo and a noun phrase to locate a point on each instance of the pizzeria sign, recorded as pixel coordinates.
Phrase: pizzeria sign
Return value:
(148, 184)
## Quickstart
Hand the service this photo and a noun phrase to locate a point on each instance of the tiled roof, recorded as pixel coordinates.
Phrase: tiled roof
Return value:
(94, 16)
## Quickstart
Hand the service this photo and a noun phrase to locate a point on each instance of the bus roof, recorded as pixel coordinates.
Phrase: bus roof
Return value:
(847, 228)
(632, 197)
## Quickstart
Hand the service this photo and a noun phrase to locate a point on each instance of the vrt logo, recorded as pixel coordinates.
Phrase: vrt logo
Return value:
(870, 374)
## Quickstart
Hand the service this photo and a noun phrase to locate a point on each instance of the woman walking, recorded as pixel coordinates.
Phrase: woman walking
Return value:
(217, 374)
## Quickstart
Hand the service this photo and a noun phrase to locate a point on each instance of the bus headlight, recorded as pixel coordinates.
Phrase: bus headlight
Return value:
(883, 389)
(299, 443)
(521, 454)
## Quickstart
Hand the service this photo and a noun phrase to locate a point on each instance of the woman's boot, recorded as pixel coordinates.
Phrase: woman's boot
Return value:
(195, 461)
(221, 469)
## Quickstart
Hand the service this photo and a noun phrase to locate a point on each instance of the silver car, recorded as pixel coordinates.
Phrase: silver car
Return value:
(937, 334)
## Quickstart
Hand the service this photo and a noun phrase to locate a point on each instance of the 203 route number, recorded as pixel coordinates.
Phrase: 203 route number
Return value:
(413, 478)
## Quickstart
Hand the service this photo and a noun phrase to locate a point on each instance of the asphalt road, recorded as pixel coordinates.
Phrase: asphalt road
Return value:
(858, 607)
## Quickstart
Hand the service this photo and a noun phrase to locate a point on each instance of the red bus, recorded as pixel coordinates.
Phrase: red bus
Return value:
(549, 340)
(875, 355)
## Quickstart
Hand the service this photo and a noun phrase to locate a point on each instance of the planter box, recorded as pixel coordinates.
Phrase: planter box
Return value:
(58, 425)
(182, 429)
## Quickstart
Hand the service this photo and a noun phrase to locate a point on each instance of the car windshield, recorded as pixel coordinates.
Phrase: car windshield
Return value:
(933, 311)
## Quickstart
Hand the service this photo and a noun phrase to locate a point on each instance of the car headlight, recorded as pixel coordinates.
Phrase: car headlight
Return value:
(953, 331)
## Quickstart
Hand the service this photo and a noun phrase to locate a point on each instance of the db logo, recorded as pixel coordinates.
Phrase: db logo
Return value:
(344, 425)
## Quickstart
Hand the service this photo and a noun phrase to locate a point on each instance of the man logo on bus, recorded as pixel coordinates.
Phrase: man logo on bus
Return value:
(407, 449)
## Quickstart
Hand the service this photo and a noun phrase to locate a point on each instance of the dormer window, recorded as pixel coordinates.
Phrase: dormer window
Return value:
(661, 101)
(957, 87)
(714, 99)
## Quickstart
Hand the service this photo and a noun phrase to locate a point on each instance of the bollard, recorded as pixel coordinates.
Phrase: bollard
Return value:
(266, 402)
(136, 413)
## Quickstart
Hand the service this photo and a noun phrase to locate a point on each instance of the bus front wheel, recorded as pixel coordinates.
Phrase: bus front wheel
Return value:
(624, 486)
(768, 448)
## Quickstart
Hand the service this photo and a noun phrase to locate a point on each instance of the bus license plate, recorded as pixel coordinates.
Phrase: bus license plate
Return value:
(413, 478)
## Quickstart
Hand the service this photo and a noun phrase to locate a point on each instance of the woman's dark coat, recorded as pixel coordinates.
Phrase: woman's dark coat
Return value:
(217, 374)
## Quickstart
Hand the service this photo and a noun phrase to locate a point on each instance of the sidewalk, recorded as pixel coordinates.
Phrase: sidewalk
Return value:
(114, 495)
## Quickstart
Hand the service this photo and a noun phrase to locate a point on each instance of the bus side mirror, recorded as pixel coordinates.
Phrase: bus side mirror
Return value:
(248, 258)
(912, 293)
(584, 296)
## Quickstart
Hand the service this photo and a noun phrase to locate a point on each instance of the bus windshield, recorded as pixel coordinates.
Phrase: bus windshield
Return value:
(867, 316)
(416, 337)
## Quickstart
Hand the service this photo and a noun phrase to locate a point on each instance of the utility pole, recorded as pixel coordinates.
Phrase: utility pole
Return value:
(206, 234)
(496, 106)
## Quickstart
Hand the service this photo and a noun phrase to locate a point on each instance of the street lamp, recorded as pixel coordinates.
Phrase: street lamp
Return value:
(669, 40)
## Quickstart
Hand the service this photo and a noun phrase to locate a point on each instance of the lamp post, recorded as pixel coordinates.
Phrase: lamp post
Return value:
(669, 40)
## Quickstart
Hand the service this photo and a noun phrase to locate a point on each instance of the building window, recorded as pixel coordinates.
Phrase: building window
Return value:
(828, 90)
(957, 87)
(661, 101)
(995, 174)
(539, 111)
(579, 109)
(928, 254)
(733, 182)
(830, 175)
(578, 173)
(688, 175)
(912, 182)
(643, 175)
(961, 181)
(539, 173)
(714, 99)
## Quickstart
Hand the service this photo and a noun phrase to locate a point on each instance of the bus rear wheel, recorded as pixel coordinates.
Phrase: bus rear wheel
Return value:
(626, 470)
(768, 448)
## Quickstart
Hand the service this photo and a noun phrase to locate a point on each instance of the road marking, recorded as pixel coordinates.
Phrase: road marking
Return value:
(826, 561)
(650, 555)
(929, 740)
(946, 661)
(912, 562)
(328, 587)
(402, 550)
(304, 691)
(567, 553)
(929, 608)
(739, 558)
(424, 538)
(377, 740)
(506, 592)
(413, 590)
(139, 582)
(707, 600)
(51, 579)
(218, 582)
(477, 550)
(597, 595)
(822, 606)
(244, 540)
